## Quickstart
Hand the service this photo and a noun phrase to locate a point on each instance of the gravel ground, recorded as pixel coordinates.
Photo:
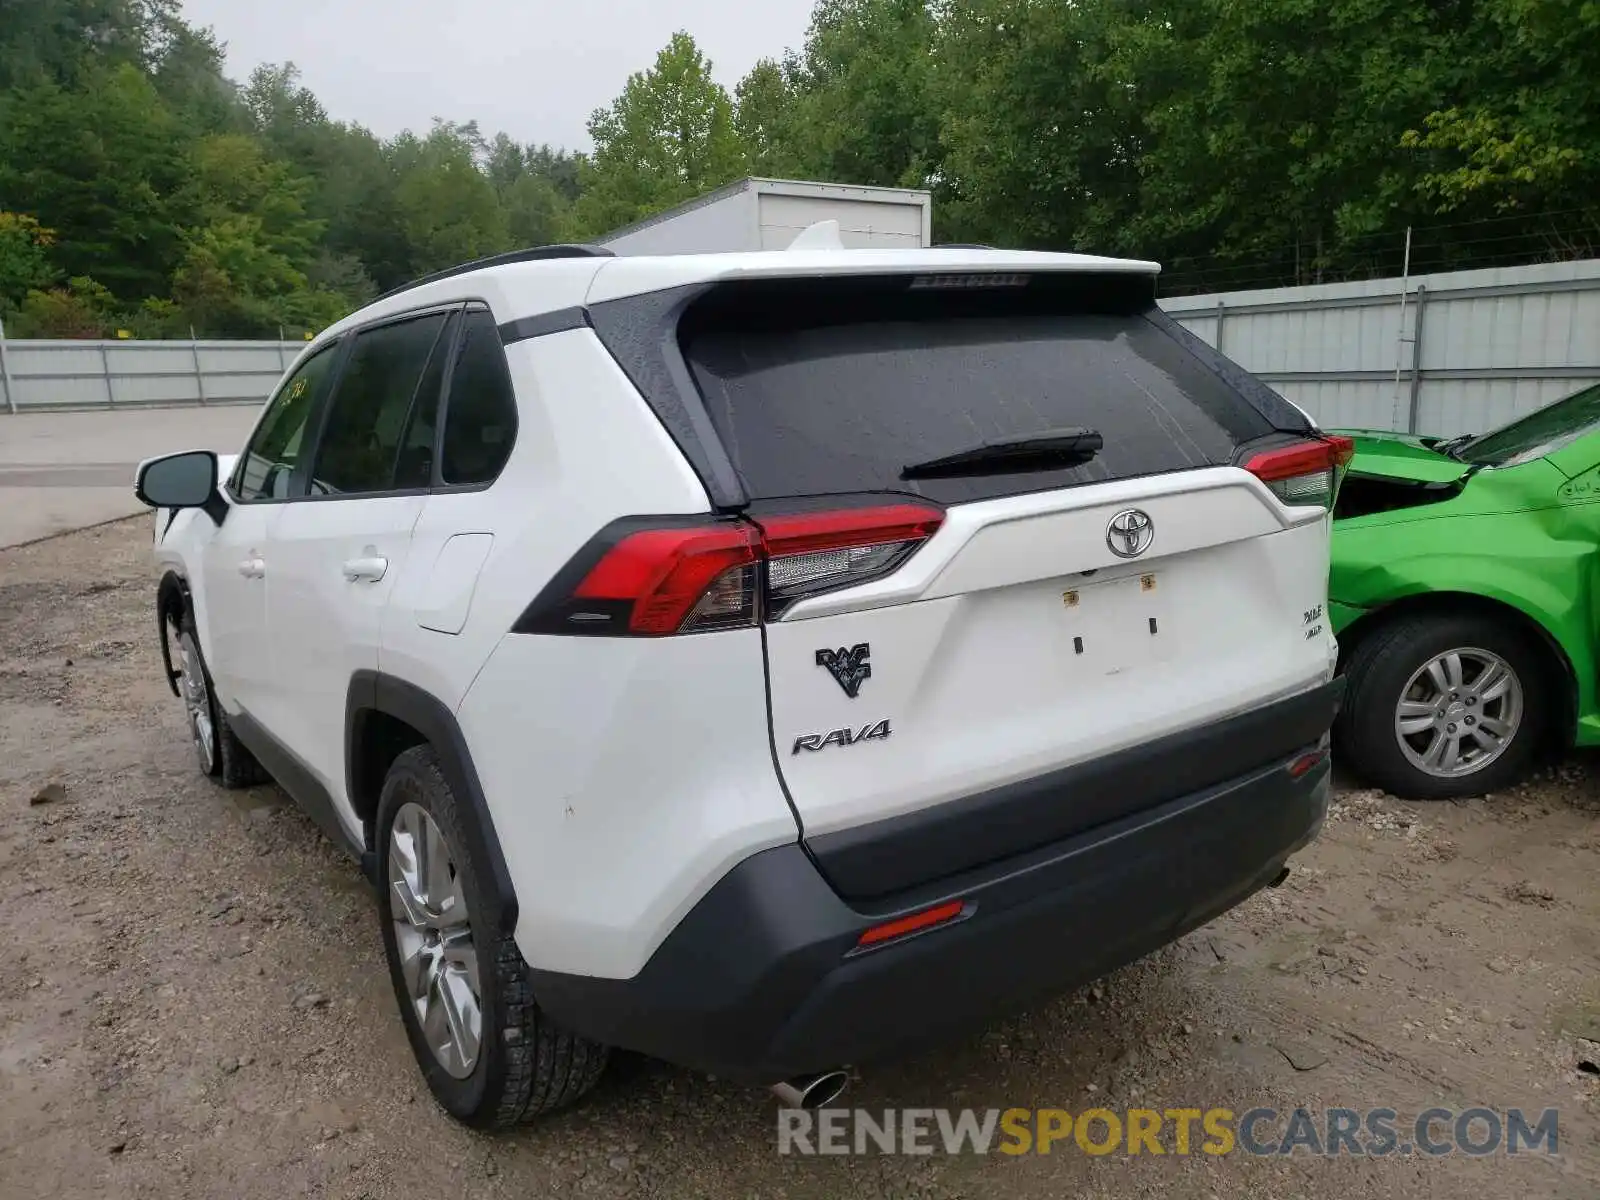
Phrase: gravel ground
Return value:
(197, 1003)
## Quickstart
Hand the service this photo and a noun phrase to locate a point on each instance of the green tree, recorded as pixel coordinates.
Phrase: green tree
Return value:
(188, 75)
(24, 262)
(865, 86)
(232, 176)
(532, 184)
(668, 137)
(1270, 129)
(1523, 141)
(288, 117)
(1042, 145)
(764, 115)
(447, 206)
(560, 167)
(81, 309)
(101, 165)
(61, 41)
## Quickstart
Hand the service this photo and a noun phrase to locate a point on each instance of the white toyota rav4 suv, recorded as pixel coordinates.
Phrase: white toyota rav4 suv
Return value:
(765, 662)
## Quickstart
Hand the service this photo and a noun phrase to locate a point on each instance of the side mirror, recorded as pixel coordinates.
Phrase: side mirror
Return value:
(186, 480)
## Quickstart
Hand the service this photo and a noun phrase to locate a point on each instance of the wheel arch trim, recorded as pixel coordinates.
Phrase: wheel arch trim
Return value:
(1527, 619)
(375, 692)
(173, 586)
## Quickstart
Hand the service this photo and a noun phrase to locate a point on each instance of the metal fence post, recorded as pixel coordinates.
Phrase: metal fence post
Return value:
(5, 372)
(105, 369)
(199, 375)
(1416, 357)
(1217, 342)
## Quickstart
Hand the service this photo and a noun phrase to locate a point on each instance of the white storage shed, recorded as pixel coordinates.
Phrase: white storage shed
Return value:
(768, 214)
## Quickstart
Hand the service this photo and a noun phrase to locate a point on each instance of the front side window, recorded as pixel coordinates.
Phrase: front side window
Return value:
(480, 422)
(268, 463)
(362, 441)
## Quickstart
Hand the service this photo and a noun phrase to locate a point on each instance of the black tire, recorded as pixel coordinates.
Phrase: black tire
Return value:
(526, 1065)
(1378, 672)
(223, 757)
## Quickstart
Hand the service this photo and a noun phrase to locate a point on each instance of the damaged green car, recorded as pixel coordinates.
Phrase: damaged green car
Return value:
(1465, 593)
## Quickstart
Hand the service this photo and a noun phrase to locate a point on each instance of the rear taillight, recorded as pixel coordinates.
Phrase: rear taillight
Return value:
(652, 577)
(810, 553)
(676, 580)
(1305, 472)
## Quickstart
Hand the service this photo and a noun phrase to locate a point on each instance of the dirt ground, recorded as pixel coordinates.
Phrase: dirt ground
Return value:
(196, 1003)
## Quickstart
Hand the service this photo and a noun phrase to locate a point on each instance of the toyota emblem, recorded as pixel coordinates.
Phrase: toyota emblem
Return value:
(1130, 533)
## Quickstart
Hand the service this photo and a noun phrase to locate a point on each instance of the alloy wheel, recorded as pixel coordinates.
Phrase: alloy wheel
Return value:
(197, 701)
(1459, 712)
(433, 934)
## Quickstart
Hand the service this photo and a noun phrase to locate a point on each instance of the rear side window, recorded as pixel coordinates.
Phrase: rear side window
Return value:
(813, 397)
(414, 462)
(480, 419)
(361, 441)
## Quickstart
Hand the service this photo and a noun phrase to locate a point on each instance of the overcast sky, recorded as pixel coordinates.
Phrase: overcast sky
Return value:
(533, 68)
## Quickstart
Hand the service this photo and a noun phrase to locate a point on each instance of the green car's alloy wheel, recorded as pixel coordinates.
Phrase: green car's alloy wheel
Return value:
(1459, 712)
(1441, 705)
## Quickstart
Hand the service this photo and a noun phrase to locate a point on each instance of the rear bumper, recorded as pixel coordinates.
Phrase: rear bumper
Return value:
(759, 980)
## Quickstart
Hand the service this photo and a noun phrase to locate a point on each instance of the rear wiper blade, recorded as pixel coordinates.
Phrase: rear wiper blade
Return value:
(1049, 450)
(1452, 446)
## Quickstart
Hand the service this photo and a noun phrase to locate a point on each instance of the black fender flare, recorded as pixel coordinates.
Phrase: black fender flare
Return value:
(172, 586)
(374, 692)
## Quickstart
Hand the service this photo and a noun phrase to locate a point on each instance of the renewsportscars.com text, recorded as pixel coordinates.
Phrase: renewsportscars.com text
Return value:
(1333, 1132)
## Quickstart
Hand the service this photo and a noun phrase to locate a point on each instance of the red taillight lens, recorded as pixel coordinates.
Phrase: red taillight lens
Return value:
(1305, 472)
(651, 577)
(677, 579)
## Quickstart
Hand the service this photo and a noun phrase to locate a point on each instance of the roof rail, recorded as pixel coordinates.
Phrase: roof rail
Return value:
(531, 254)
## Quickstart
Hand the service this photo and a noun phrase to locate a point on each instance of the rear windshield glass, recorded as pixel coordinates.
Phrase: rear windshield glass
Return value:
(813, 398)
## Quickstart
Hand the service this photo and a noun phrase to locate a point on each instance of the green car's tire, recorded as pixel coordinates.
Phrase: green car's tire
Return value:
(1442, 705)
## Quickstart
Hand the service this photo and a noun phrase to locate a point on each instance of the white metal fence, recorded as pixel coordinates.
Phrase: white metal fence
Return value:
(36, 375)
(1470, 350)
(1440, 354)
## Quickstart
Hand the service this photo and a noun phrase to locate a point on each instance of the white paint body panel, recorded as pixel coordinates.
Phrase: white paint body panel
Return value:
(231, 606)
(446, 597)
(580, 423)
(324, 627)
(626, 777)
(988, 675)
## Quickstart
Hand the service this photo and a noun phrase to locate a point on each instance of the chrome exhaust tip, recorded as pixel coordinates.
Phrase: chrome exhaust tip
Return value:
(811, 1091)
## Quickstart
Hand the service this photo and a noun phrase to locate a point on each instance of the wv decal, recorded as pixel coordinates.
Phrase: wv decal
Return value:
(849, 668)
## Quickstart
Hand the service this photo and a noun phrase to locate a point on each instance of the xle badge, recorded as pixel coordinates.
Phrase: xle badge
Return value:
(849, 668)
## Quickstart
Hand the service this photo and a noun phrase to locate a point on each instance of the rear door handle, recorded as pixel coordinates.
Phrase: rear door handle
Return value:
(253, 568)
(366, 569)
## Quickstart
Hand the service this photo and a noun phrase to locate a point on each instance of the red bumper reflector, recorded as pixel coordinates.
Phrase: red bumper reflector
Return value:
(1306, 763)
(901, 926)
